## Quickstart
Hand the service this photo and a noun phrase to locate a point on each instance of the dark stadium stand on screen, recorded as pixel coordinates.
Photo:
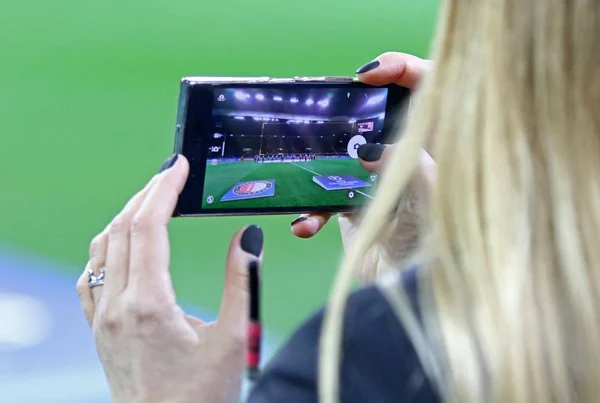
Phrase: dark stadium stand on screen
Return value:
(274, 146)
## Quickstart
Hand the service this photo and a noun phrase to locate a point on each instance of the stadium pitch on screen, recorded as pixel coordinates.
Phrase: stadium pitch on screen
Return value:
(273, 148)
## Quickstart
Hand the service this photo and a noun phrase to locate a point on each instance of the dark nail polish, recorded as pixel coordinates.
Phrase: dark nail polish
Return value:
(370, 152)
(368, 67)
(299, 219)
(252, 240)
(168, 163)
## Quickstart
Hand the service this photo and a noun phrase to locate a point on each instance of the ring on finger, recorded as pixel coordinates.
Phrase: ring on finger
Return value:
(95, 280)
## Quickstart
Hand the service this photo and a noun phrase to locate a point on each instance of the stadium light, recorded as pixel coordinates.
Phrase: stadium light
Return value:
(294, 100)
(352, 121)
(309, 102)
(375, 100)
(324, 103)
(242, 96)
(381, 116)
(307, 121)
(239, 117)
(277, 98)
(260, 97)
(320, 122)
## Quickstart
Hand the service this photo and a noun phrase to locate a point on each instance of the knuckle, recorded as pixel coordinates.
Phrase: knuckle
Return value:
(237, 339)
(81, 287)
(109, 321)
(141, 222)
(96, 246)
(144, 314)
(118, 225)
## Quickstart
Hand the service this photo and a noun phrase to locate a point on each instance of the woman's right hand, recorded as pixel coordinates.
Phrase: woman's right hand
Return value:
(150, 349)
(404, 70)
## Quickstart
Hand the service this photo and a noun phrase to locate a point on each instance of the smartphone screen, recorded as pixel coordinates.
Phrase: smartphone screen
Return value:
(286, 148)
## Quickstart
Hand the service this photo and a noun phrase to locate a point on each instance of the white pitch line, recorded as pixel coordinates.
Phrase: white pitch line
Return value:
(306, 169)
(318, 174)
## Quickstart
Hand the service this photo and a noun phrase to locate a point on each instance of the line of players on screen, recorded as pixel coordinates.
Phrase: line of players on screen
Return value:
(284, 157)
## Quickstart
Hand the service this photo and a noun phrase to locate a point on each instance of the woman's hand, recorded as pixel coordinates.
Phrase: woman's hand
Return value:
(150, 349)
(404, 70)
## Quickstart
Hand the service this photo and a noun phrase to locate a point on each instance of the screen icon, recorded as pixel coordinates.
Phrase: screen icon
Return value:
(353, 145)
(210, 199)
(373, 178)
(221, 98)
(350, 194)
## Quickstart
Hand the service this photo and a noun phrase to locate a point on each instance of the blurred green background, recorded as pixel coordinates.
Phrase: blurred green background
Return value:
(88, 95)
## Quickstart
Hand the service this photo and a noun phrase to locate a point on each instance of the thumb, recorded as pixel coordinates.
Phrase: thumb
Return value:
(372, 157)
(246, 246)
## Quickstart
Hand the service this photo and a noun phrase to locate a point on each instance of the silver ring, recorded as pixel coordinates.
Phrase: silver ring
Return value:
(95, 280)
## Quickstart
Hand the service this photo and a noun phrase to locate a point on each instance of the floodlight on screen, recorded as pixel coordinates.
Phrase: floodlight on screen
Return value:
(242, 96)
(277, 98)
(239, 117)
(260, 97)
(294, 100)
(324, 103)
(309, 102)
(376, 99)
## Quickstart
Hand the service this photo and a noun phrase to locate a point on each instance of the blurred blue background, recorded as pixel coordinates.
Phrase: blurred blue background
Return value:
(88, 95)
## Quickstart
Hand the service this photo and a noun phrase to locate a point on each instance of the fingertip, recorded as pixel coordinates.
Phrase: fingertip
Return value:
(304, 229)
(306, 226)
(252, 240)
(370, 152)
(299, 219)
(176, 162)
(397, 68)
(368, 166)
(365, 68)
(181, 165)
(176, 171)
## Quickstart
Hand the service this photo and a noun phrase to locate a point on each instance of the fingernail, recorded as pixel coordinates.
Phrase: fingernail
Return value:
(368, 67)
(370, 152)
(169, 163)
(252, 240)
(299, 219)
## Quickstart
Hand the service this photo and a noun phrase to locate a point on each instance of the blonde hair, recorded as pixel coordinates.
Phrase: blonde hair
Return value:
(510, 268)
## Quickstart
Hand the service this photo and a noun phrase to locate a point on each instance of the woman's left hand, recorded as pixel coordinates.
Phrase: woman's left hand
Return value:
(150, 349)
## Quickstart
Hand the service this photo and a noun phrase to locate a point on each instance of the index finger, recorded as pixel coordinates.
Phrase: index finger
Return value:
(150, 252)
(394, 68)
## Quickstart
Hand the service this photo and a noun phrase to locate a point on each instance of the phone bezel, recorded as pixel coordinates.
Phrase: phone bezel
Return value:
(195, 123)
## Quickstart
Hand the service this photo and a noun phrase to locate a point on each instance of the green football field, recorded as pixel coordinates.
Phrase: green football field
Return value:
(294, 185)
(88, 101)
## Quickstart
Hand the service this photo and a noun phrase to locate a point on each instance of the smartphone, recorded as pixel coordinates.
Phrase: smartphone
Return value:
(266, 145)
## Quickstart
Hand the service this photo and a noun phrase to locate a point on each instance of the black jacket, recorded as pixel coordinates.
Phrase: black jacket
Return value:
(379, 364)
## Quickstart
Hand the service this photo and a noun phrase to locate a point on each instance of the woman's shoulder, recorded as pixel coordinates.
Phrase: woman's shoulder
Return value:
(378, 365)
